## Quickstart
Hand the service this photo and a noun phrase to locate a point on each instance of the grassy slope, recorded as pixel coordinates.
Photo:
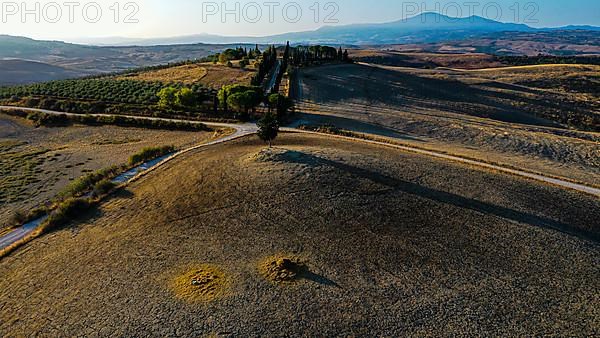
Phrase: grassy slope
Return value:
(455, 112)
(398, 244)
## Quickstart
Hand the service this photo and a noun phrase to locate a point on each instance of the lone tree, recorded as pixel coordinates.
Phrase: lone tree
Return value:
(268, 128)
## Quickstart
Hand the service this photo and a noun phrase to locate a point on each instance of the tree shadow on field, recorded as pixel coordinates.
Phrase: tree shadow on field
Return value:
(444, 197)
(413, 90)
(121, 194)
(348, 124)
(319, 279)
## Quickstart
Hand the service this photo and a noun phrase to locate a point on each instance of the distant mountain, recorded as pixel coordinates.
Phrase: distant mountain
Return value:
(580, 27)
(423, 28)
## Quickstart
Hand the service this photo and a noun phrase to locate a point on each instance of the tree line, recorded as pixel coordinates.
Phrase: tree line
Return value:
(306, 55)
(547, 59)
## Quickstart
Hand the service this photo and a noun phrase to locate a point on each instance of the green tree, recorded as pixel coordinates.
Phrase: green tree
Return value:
(167, 97)
(243, 101)
(281, 103)
(268, 128)
(226, 91)
(185, 97)
(238, 101)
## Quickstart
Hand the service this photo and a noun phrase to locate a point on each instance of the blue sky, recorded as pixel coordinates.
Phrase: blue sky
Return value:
(160, 18)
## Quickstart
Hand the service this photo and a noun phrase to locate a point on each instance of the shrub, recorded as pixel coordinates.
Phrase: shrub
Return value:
(86, 183)
(103, 187)
(49, 120)
(150, 153)
(66, 211)
(18, 217)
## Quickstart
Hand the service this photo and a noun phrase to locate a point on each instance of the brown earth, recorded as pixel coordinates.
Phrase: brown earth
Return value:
(460, 112)
(37, 163)
(425, 60)
(396, 244)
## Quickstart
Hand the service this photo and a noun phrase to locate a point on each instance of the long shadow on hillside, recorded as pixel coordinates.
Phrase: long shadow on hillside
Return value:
(377, 85)
(348, 124)
(444, 197)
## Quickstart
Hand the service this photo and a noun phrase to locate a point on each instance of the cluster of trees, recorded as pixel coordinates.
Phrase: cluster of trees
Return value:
(266, 63)
(180, 98)
(548, 59)
(285, 63)
(244, 55)
(240, 99)
(281, 104)
(303, 55)
(233, 54)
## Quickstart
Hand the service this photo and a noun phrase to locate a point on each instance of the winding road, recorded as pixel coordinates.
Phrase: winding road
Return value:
(245, 129)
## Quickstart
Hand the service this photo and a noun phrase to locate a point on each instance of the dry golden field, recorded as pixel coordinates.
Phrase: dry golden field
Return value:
(207, 74)
(392, 244)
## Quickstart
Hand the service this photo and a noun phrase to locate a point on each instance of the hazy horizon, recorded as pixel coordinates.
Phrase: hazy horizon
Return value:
(156, 19)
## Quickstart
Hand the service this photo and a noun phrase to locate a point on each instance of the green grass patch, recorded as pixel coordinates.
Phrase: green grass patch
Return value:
(103, 188)
(87, 183)
(19, 167)
(150, 153)
(40, 119)
(67, 211)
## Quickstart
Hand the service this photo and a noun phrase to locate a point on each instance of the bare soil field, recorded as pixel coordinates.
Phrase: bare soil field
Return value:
(37, 163)
(461, 112)
(423, 59)
(207, 74)
(390, 244)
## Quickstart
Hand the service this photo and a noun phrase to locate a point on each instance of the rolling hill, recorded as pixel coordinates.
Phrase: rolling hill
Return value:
(25, 60)
(392, 244)
(18, 72)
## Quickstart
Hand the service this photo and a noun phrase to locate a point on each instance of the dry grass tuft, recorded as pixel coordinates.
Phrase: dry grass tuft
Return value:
(282, 269)
(200, 284)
